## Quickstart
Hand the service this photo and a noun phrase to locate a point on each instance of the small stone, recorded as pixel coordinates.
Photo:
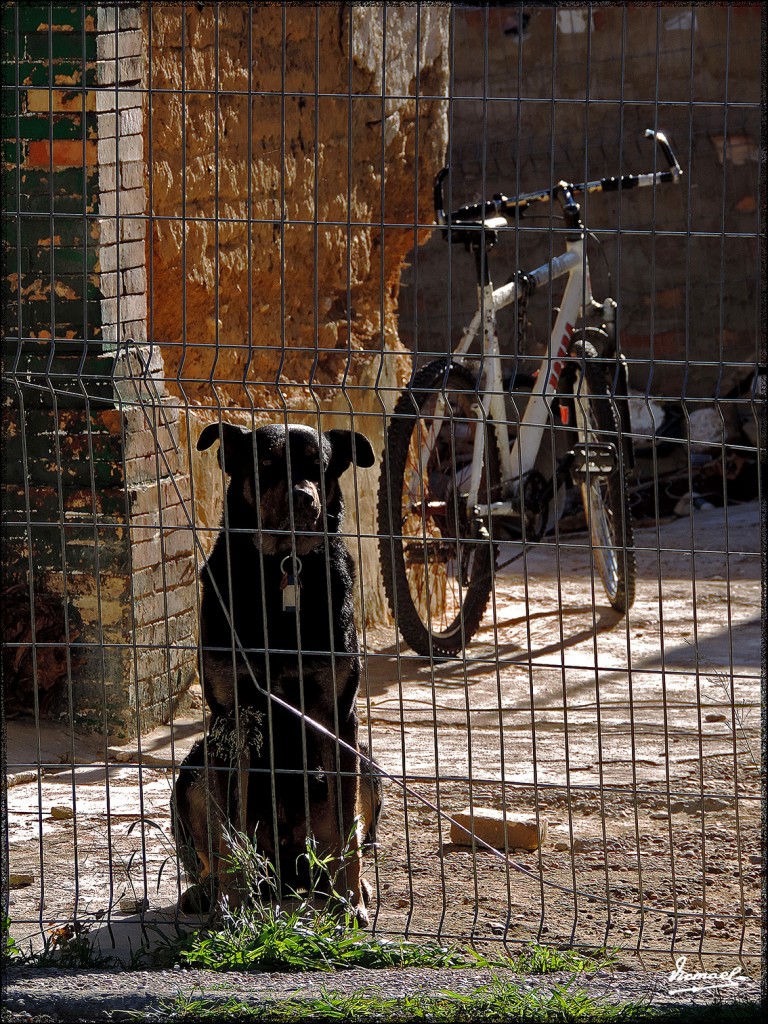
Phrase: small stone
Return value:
(61, 812)
(20, 881)
(659, 816)
(561, 847)
(718, 923)
(496, 829)
(755, 858)
(120, 754)
(133, 904)
(714, 716)
(19, 778)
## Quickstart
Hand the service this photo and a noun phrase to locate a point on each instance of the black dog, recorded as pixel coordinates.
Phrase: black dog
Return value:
(277, 622)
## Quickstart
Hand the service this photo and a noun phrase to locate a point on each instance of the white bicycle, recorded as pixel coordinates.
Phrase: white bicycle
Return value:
(460, 470)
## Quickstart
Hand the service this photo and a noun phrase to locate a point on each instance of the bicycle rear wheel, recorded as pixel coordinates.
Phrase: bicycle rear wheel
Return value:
(605, 494)
(437, 558)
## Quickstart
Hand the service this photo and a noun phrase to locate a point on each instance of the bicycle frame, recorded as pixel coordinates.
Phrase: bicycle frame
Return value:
(520, 458)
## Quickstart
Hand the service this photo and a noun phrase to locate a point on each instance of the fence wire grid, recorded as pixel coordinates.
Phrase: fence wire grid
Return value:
(228, 216)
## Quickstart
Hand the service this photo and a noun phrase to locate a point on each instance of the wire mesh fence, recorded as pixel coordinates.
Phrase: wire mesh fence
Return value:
(416, 514)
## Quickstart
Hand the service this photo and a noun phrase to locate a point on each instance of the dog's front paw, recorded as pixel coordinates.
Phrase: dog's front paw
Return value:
(361, 916)
(360, 903)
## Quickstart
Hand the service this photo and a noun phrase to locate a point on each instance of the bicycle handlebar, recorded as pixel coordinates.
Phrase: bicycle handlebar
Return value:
(502, 208)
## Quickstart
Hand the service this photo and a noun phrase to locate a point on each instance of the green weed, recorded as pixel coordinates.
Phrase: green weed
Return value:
(500, 1001)
(8, 946)
(313, 931)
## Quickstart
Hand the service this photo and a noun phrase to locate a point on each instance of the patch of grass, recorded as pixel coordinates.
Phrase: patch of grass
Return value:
(265, 935)
(500, 1001)
(305, 939)
(536, 959)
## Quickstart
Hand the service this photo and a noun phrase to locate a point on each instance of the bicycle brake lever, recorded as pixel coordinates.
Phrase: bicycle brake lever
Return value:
(662, 140)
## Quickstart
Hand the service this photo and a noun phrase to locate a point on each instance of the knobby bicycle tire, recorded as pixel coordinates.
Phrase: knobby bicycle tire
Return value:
(437, 575)
(605, 496)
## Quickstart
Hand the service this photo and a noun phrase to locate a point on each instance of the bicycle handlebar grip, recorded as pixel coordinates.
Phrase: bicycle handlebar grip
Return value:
(662, 140)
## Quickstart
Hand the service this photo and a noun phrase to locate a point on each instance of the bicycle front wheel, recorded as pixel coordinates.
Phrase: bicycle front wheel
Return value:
(437, 558)
(605, 494)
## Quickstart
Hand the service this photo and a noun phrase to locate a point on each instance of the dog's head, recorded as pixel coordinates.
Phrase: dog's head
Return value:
(285, 481)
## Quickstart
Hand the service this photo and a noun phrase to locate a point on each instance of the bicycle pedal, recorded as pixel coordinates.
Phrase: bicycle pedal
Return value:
(594, 459)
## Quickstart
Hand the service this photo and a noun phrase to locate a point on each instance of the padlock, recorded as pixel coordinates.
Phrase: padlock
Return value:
(290, 589)
(290, 585)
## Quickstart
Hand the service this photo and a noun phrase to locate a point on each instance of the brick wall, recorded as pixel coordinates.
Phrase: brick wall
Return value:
(97, 552)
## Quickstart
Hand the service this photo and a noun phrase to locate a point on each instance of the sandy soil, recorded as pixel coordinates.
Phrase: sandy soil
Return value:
(636, 740)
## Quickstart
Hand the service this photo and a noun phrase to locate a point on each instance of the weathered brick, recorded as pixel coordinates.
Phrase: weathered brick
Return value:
(112, 16)
(144, 581)
(153, 634)
(132, 330)
(123, 44)
(144, 499)
(153, 663)
(126, 148)
(60, 100)
(129, 69)
(108, 285)
(123, 203)
(132, 173)
(127, 307)
(61, 153)
(135, 281)
(179, 601)
(146, 552)
(130, 254)
(186, 625)
(131, 122)
(117, 99)
(178, 542)
(180, 569)
(138, 445)
(151, 608)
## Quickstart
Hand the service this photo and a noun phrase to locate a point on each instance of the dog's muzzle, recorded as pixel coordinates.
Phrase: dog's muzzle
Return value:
(306, 506)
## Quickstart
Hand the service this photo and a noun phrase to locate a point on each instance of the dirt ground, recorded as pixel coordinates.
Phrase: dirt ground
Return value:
(637, 741)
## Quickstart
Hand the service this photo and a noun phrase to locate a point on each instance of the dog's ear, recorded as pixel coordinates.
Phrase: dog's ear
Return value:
(237, 444)
(347, 445)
